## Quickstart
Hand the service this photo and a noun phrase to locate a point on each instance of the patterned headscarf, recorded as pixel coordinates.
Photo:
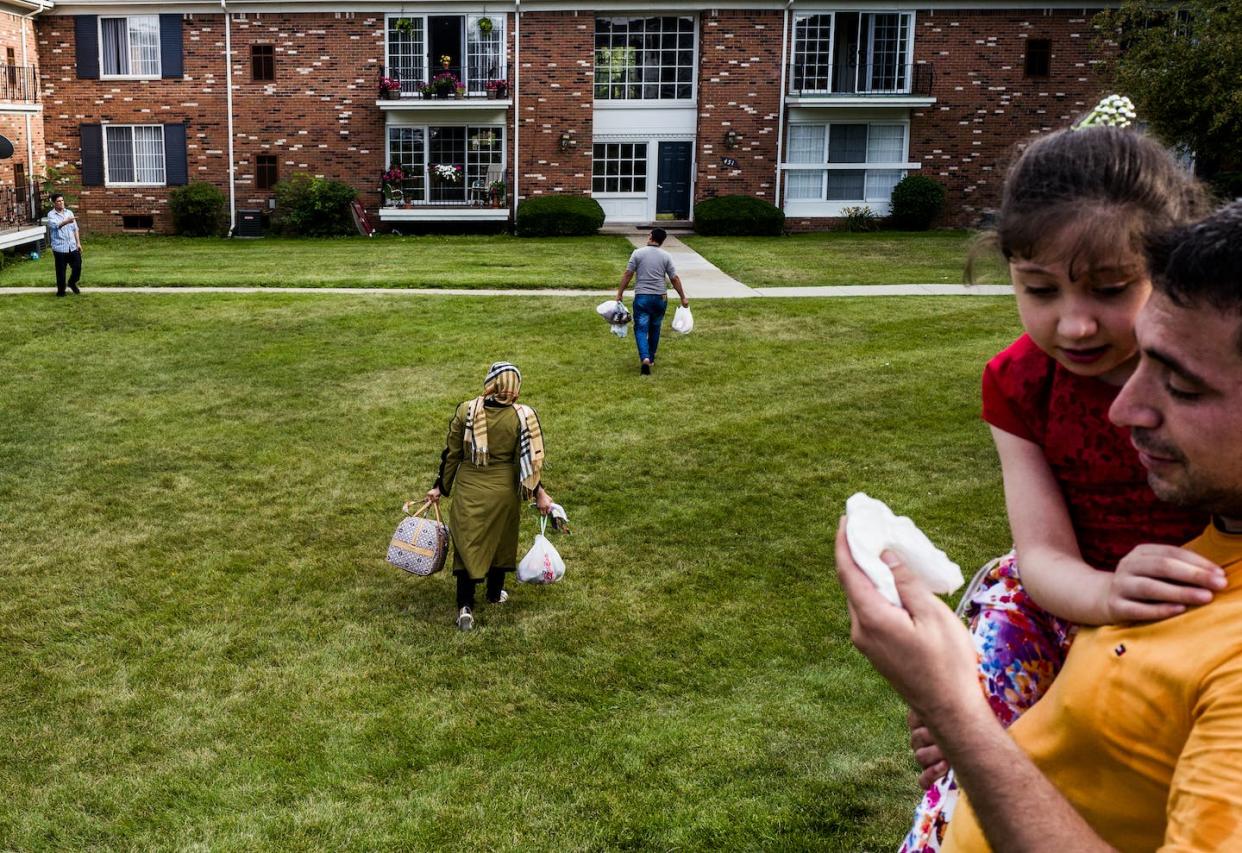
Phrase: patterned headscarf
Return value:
(503, 385)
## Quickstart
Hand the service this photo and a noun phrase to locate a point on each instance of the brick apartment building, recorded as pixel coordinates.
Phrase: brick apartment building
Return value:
(814, 106)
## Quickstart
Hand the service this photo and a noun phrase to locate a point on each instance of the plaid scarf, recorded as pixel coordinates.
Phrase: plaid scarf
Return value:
(502, 385)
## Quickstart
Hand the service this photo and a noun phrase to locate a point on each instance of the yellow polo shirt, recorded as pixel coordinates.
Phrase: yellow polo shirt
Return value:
(1142, 730)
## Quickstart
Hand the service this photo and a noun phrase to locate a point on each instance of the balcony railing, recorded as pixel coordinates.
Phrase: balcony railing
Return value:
(864, 81)
(477, 86)
(21, 205)
(476, 193)
(19, 83)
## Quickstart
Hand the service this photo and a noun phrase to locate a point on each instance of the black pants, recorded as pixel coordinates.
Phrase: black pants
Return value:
(74, 261)
(465, 586)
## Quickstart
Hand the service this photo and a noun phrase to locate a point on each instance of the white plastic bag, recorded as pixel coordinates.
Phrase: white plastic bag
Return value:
(542, 563)
(682, 321)
(614, 311)
(619, 329)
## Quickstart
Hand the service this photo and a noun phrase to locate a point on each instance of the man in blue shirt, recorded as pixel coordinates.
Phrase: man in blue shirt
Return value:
(66, 244)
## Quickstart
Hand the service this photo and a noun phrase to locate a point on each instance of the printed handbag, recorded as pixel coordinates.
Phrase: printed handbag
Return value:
(420, 545)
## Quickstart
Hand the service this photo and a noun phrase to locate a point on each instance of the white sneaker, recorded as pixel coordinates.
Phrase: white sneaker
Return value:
(465, 619)
(504, 596)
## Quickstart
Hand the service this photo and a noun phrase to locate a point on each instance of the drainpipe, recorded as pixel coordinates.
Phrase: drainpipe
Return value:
(517, 88)
(228, 78)
(780, 125)
(29, 141)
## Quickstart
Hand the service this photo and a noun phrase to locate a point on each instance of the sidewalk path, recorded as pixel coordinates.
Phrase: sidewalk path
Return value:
(700, 277)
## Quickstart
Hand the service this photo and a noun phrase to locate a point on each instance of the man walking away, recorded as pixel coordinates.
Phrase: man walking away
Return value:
(66, 244)
(648, 266)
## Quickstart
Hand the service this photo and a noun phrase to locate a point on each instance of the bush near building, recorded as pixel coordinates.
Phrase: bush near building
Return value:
(198, 210)
(308, 206)
(917, 201)
(559, 216)
(738, 216)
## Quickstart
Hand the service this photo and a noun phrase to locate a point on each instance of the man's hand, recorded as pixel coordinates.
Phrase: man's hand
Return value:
(543, 501)
(685, 303)
(922, 648)
(1158, 581)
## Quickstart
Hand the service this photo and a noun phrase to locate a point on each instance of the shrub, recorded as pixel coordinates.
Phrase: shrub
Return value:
(738, 216)
(198, 210)
(559, 216)
(917, 201)
(1227, 185)
(307, 206)
(859, 219)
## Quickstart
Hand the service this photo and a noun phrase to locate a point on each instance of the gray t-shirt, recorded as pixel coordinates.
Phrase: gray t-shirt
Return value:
(650, 265)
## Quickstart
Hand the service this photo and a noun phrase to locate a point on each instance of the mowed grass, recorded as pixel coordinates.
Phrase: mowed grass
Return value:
(837, 257)
(435, 261)
(203, 648)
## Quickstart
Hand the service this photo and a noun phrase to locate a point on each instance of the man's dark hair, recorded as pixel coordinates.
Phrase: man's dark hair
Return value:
(1201, 263)
(658, 234)
(56, 196)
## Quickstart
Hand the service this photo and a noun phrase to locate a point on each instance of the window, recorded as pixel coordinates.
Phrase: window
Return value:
(474, 149)
(644, 58)
(265, 171)
(839, 145)
(1038, 57)
(19, 182)
(619, 167)
(812, 56)
(406, 52)
(137, 221)
(130, 47)
(134, 154)
(262, 62)
(485, 57)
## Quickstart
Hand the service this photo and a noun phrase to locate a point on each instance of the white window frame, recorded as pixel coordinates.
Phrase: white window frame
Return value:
(159, 48)
(163, 158)
(822, 206)
(832, 48)
(468, 19)
(648, 181)
(694, 63)
(426, 127)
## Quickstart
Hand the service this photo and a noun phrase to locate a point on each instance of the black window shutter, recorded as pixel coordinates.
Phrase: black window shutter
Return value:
(175, 171)
(92, 154)
(170, 46)
(86, 37)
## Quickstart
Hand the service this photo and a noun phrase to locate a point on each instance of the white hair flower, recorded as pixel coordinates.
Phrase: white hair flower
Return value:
(1112, 111)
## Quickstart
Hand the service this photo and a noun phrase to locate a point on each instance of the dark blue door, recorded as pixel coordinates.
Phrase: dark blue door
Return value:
(673, 183)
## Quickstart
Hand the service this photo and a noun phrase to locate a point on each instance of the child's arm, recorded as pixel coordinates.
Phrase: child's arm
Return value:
(1151, 582)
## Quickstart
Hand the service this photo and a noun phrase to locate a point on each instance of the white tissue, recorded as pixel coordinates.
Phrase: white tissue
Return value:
(871, 528)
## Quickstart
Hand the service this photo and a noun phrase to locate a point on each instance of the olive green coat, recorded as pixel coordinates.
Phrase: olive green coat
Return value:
(483, 518)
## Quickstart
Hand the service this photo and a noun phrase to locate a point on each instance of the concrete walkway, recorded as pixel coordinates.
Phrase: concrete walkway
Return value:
(701, 278)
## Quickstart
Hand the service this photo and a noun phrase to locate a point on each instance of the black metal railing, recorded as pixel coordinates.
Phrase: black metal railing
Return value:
(20, 205)
(877, 79)
(18, 83)
(416, 193)
(440, 87)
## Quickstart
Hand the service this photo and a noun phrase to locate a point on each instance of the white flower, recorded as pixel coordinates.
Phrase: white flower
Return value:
(1112, 111)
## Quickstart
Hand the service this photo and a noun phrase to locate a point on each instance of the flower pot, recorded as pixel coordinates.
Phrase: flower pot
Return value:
(461, 94)
(390, 94)
(442, 95)
(491, 94)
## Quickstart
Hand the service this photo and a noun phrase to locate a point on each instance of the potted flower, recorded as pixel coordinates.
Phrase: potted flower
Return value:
(446, 173)
(392, 181)
(502, 88)
(461, 91)
(444, 84)
(492, 87)
(389, 88)
(445, 61)
(497, 191)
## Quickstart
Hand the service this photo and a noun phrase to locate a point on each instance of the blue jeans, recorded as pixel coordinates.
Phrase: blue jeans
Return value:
(648, 315)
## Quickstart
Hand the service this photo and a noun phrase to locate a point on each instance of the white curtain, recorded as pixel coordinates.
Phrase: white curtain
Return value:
(144, 45)
(806, 145)
(149, 155)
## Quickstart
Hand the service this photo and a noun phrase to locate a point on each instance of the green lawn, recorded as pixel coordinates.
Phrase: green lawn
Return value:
(477, 261)
(883, 257)
(202, 646)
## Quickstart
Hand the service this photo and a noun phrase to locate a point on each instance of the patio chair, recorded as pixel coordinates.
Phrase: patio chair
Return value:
(481, 188)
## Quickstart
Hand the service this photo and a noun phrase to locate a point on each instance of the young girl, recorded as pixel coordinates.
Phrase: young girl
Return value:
(1094, 544)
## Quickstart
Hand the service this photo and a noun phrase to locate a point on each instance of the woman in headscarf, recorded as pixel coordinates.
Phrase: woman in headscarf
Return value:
(491, 462)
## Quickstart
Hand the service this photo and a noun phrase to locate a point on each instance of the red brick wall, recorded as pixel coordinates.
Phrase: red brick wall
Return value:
(558, 68)
(318, 116)
(739, 89)
(13, 124)
(984, 103)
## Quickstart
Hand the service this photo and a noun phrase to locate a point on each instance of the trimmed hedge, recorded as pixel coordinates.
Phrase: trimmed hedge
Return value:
(307, 206)
(198, 210)
(738, 216)
(917, 201)
(558, 216)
